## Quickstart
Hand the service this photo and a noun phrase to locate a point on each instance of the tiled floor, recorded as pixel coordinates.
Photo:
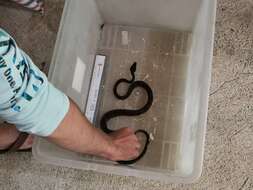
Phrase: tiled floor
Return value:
(162, 59)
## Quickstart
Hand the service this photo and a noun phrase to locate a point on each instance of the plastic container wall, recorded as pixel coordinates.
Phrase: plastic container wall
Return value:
(74, 57)
(75, 49)
(172, 14)
(197, 92)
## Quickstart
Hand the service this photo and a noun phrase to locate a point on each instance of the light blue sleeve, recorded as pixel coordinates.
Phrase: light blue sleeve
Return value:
(27, 99)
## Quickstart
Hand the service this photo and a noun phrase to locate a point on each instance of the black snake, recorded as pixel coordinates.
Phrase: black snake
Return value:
(127, 112)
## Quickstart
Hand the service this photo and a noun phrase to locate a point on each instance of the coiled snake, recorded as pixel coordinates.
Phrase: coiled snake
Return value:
(127, 112)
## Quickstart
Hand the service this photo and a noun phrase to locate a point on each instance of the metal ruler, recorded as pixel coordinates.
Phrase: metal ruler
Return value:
(95, 87)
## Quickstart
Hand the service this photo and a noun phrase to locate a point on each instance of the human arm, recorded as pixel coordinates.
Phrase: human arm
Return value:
(76, 133)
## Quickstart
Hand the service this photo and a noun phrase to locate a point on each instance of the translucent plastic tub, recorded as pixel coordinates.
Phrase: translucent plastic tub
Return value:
(172, 41)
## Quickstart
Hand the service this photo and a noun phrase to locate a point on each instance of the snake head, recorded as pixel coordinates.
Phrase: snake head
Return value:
(133, 67)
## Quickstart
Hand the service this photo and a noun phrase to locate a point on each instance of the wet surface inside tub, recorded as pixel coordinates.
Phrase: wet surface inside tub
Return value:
(162, 59)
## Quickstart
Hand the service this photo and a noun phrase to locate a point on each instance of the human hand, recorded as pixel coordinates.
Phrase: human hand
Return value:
(124, 145)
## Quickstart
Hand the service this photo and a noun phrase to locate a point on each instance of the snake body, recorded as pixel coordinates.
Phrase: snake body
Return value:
(127, 112)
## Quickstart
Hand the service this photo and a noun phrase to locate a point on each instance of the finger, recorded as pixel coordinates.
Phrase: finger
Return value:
(135, 154)
(131, 146)
(138, 146)
(130, 155)
(126, 131)
(123, 132)
(129, 130)
(129, 139)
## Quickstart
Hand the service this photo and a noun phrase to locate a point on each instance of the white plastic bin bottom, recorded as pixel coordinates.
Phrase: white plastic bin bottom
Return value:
(162, 59)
